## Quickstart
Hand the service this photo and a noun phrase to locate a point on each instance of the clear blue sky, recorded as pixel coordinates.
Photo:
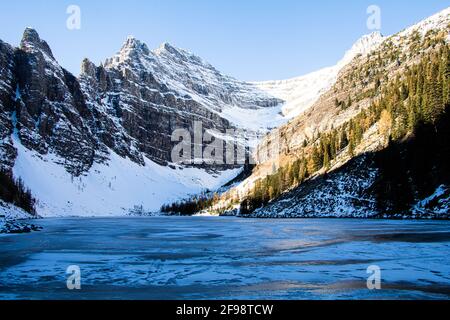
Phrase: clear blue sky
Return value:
(248, 39)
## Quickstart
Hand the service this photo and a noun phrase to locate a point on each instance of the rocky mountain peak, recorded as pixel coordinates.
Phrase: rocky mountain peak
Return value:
(88, 68)
(31, 42)
(133, 46)
(132, 50)
(30, 35)
(368, 40)
(363, 46)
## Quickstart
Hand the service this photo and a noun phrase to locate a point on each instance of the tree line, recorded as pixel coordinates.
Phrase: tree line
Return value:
(192, 205)
(420, 96)
(13, 191)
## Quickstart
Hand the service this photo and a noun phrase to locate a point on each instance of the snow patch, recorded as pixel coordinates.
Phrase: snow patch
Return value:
(9, 214)
(437, 204)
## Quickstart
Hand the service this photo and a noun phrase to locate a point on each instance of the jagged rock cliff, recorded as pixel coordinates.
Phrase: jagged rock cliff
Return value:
(50, 113)
(122, 114)
(7, 86)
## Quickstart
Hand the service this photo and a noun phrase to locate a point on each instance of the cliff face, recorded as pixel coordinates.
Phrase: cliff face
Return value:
(7, 85)
(120, 114)
(129, 106)
(46, 109)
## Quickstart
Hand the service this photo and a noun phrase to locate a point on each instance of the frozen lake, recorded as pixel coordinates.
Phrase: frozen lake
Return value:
(227, 258)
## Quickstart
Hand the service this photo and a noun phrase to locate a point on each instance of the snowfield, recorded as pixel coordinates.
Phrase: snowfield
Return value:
(11, 212)
(112, 189)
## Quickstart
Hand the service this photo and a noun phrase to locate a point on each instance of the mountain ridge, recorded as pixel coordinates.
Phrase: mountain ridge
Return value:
(358, 91)
(121, 115)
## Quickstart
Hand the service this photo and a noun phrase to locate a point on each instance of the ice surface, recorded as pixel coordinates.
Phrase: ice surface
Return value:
(227, 258)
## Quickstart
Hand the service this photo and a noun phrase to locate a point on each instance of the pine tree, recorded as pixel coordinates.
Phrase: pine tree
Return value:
(326, 159)
(433, 94)
(351, 146)
(343, 139)
(316, 159)
(445, 75)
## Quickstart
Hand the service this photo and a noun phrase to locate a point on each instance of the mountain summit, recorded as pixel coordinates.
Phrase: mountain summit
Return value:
(31, 41)
(363, 46)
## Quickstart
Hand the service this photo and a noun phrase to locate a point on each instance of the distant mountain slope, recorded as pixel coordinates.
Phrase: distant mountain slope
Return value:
(299, 94)
(391, 94)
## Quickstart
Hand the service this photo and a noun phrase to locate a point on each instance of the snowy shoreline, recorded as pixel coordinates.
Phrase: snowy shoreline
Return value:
(331, 217)
(10, 225)
(15, 220)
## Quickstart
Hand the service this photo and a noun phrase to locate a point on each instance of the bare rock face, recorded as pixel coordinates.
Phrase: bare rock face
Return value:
(145, 110)
(32, 42)
(7, 85)
(52, 115)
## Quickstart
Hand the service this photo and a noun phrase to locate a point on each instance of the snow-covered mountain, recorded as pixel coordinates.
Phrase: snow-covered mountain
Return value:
(300, 93)
(100, 143)
(190, 77)
(269, 104)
